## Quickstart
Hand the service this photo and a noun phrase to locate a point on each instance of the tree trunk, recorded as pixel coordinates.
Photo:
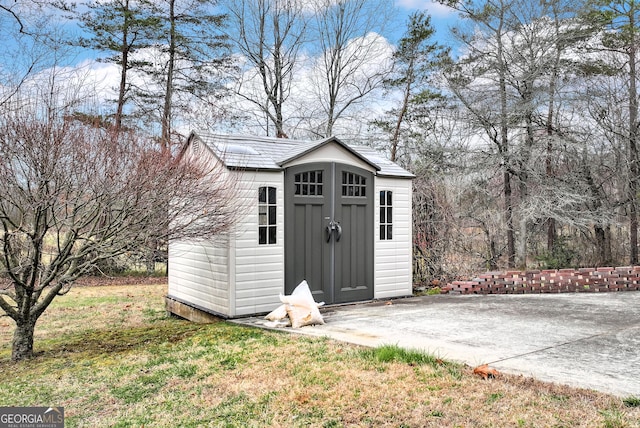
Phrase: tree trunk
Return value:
(504, 149)
(607, 245)
(168, 93)
(599, 233)
(522, 244)
(633, 170)
(150, 263)
(603, 243)
(395, 139)
(553, 80)
(508, 213)
(124, 57)
(551, 222)
(493, 256)
(22, 346)
(633, 149)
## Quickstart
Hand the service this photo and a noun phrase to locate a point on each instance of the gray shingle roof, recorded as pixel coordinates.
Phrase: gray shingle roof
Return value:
(265, 153)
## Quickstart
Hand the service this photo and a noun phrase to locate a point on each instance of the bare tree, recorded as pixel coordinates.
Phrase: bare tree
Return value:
(73, 195)
(605, 100)
(476, 196)
(269, 34)
(30, 43)
(620, 19)
(352, 58)
(488, 103)
(508, 80)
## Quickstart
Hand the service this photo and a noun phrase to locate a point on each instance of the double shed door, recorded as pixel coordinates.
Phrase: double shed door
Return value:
(329, 231)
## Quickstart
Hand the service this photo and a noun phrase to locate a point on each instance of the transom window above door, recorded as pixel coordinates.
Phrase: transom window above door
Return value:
(353, 185)
(308, 183)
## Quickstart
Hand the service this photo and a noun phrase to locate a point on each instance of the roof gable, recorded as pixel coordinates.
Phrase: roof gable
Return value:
(311, 146)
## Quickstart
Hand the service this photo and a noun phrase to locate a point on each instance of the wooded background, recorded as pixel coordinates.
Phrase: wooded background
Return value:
(520, 124)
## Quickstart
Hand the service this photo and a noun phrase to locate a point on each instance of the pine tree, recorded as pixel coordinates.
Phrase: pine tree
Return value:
(118, 29)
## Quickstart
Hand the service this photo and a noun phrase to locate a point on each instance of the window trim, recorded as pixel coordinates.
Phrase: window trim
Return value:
(386, 215)
(309, 183)
(354, 185)
(267, 215)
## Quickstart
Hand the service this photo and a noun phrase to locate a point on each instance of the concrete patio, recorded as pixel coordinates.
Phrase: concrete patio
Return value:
(584, 340)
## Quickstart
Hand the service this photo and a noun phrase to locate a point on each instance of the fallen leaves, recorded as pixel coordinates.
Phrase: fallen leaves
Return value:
(486, 372)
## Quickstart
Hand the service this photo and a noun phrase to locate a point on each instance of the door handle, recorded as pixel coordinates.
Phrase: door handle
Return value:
(333, 226)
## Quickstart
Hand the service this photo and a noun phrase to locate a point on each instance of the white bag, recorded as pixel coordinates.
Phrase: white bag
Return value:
(300, 307)
(277, 314)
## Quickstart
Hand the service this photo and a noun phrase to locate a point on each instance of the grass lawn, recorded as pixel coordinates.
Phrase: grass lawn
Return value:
(112, 357)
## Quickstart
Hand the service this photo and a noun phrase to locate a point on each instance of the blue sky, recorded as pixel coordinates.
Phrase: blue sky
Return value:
(442, 18)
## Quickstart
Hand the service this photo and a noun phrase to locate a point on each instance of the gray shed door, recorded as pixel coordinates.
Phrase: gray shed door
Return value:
(329, 231)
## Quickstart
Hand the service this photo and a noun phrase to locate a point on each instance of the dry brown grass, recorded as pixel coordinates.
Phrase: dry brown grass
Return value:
(111, 358)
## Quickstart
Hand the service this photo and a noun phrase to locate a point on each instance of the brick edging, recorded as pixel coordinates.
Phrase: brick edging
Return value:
(602, 279)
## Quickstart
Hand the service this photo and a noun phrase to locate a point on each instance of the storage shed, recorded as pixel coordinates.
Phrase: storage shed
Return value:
(333, 214)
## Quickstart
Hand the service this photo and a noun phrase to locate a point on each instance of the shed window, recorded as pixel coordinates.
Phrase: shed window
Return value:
(267, 215)
(308, 183)
(353, 184)
(386, 214)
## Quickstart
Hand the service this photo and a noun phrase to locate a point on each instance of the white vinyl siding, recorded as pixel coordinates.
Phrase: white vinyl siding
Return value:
(199, 274)
(392, 266)
(234, 276)
(258, 270)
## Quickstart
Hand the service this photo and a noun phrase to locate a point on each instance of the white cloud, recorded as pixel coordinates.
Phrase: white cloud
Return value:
(434, 9)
